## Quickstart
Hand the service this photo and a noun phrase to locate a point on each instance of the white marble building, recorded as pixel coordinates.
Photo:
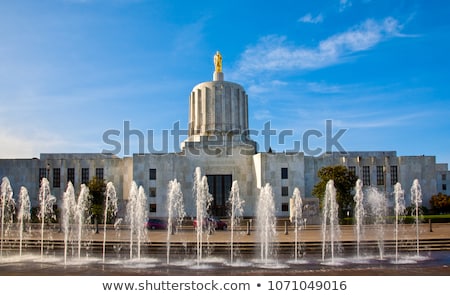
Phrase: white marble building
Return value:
(218, 143)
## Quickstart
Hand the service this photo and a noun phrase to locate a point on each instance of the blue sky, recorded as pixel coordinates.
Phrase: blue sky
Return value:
(72, 69)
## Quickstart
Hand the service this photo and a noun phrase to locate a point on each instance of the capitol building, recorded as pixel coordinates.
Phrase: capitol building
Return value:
(218, 142)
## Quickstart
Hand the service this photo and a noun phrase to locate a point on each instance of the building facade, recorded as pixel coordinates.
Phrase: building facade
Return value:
(219, 144)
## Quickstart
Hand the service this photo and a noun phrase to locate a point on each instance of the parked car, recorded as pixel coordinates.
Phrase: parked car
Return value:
(212, 222)
(153, 224)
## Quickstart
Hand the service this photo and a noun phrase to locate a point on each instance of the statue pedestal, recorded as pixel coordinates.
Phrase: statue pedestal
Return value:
(218, 76)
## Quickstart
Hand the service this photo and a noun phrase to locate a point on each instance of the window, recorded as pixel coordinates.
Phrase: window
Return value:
(285, 207)
(366, 175)
(85, 176)
(152, 174)
(42, 174)
(444, 177)
(352, 170)
(284, 173)
(99, 173)
(284, 191)
(394, 175)
(152, 191)
(152, 208)
(56, 177)
(380, 175)
(444, 187)
(71, 175)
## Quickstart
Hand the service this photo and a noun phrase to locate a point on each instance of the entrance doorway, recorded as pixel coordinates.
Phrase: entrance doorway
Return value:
(219, 187)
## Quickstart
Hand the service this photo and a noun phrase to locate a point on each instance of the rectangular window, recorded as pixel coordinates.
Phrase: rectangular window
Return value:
(380, 175)
(56, 177)
(394, 175)
(42, 174)
(99, 173)
(152, 191)
(84, 176)
(444, 187)
(285, 207)
(71, 175)
(444, 177)
(152, 208)
(352, 170)
(284, 191)
(366, 175)
(152, 174)
(284, 173)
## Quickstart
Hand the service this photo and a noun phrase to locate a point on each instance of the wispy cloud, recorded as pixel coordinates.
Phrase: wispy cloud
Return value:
(276, 53)
(344, 4)
(308, 18)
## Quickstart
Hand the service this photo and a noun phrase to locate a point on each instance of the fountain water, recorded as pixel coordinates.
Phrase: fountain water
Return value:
(236, 212)
(377, 212)
(203, 201)
(175, 211)
(332, 232)
(359, 214)
(68, 215)
(416, 201)
(81, 214)
(131, 217)
(46, 201)
(117, 247)
(136, 216)
(110, 210)
(266, 222)
(7, 211)
(399, 209)
(24, 214)
(296, 216)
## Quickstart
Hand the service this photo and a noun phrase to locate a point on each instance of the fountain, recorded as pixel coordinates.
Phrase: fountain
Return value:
(330, 227)
(203, 201)
(136, 216)
(110, 210)
(296, 217)
(359, 214)
(266, 222)
(236, 212)
(399, 209)
(46, 202)
(68, 215)
(81, 214)
(416, 201)
(7, 211)
(377, 211)
(24, 214)
(175, 211)
(275, 251)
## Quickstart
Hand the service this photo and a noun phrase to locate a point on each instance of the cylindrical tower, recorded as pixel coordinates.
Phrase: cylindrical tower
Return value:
(218, 109)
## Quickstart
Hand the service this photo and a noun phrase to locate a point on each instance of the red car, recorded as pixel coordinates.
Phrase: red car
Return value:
(212, 222)
(156, 224)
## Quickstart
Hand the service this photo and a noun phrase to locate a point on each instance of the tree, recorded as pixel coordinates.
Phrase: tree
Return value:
(440, 203)
(344, 181)
(97, 188)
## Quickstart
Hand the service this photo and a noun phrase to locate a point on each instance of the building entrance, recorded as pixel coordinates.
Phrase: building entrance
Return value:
(219, 187)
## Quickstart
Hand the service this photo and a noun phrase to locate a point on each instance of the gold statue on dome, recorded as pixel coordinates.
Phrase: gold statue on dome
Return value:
(218, 62)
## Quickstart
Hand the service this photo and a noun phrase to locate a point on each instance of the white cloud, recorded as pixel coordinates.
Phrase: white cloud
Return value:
(344, 4)
(275, 53)
(308, 18)
(262, 115)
